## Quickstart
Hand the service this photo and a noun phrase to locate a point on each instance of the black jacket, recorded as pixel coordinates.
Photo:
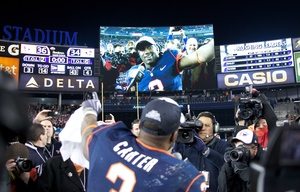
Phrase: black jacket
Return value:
(38, 156)
(237, 182)
(212, 163)
(61, 176)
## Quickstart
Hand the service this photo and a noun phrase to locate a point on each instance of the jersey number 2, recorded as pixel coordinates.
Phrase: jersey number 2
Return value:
(119, 170)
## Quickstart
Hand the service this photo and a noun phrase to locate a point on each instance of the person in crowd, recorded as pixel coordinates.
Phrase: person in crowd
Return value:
(262, 132)
(122, 63)
(62, 176)
(173, 43)
(22, 175)
(206, 153)
(52, 144)
(45, 120)
(162, 71)
(235, 172)
(109, 52)
(109, 70)
(135, 127)
(203, 76)
(131, 53)
(190, 47)
(36, 144)
(143, 163)
(13, 122)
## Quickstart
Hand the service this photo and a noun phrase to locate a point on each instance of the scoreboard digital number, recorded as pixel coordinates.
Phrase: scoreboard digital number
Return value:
(61, 60)
(256, 56)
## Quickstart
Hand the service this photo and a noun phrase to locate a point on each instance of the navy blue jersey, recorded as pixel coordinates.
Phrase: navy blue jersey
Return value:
(38, 156)
(166, 71)
(121, 162)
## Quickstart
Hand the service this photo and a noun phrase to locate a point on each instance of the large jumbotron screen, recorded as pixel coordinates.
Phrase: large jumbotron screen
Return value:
(171, 58)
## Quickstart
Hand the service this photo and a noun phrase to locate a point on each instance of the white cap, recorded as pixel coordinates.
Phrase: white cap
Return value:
(246, 136)
(143, 40)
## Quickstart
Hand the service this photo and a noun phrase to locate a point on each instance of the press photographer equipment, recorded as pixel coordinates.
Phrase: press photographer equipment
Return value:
(250, 107)
(185, 133)
(19, 152)
(53, 113)
(24, 165)
(119, 58)
(239, 153)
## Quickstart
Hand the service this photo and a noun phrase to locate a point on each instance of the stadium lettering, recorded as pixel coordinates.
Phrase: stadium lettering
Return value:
(256, 78)
(61, 83)
(2, 48)
(15, 33)
(135, 158)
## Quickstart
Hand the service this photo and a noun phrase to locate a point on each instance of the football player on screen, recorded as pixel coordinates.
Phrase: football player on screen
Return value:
(162, 70)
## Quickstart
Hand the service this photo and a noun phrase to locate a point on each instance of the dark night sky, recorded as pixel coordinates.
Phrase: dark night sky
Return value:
(234, 21)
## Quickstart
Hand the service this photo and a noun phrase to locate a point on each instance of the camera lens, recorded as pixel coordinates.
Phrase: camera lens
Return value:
(186, 135)
(234, 155)
(239, 153)
(25, 165)
(245, 113)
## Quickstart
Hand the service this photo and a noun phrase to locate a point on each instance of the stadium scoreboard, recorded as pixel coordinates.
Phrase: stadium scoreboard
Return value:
(56, 60)
(256, 56)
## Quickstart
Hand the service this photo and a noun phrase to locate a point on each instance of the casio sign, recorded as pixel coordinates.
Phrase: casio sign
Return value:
(256, 78)
(259, 78)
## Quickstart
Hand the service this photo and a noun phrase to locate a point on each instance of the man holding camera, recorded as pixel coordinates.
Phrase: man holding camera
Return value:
(22, 176)
(205, 152)
(235, 173)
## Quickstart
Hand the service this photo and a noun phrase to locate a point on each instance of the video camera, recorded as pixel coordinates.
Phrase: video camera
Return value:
(119, 58)
(250, 108)
(25, 165)
(239, 152)
(185, 133)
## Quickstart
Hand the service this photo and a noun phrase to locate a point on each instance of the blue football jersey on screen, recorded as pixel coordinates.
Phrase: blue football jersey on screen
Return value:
(121, 162)
(166, 70)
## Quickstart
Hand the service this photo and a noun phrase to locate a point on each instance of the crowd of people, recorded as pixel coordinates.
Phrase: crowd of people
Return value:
(93, 155)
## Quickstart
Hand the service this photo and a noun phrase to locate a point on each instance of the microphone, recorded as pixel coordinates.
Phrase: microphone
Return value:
(177, 155)
(208, 135)
(138, 77)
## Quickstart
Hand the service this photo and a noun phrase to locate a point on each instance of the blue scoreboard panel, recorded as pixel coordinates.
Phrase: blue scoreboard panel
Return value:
(56, 60)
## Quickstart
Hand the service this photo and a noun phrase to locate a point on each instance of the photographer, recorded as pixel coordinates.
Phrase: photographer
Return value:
(250, 107)
(235, 173)
(13, 121)
(206, 152)
(116, 64)
(22, 176)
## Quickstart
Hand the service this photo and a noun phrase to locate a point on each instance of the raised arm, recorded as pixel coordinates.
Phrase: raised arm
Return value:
(91, 108)
(203, 54)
